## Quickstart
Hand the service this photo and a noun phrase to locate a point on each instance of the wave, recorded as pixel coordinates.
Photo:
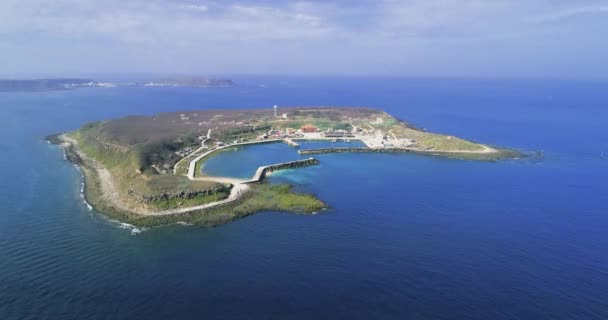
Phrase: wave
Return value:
(134, 230)
(123, 225)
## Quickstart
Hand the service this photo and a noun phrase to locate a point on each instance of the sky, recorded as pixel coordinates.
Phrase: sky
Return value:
(479, 38)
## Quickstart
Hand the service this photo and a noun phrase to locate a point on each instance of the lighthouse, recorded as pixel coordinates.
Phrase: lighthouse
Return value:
(275, 111)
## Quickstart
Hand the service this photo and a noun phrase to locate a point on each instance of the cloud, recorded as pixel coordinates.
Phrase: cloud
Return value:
(195, 7)
(160, 21)
(571, 13)
(305, 35)
(163, 22)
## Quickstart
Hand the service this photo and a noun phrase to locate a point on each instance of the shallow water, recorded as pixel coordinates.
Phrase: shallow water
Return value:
(406, 237)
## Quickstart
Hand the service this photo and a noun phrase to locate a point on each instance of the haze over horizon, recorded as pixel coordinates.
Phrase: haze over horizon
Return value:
(501, 38)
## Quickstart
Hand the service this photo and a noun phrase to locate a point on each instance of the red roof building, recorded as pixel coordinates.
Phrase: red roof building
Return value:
(309, 129)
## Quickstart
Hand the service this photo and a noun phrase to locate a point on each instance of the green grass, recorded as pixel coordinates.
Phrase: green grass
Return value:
(182, 168)
(180, 203)
(266, 196)
(169, 182)
(321, 123)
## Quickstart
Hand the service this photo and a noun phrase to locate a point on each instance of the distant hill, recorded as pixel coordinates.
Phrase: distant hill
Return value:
(191, 82)
(45, 84)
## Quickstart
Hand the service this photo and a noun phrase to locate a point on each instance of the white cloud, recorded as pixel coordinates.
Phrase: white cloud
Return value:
(195, 7)
(570, 13)
(388, 34)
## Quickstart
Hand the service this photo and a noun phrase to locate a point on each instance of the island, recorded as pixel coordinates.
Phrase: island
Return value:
(190, 82)
(146, 170)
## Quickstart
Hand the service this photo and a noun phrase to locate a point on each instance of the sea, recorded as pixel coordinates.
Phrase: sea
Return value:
(406, 236)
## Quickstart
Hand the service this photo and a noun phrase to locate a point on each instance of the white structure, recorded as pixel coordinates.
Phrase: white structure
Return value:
(284, 115)
(275, 111)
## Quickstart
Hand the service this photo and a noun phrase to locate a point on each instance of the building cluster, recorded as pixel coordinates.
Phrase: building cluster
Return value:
(308, 130)
(340, 133)
(184, 152)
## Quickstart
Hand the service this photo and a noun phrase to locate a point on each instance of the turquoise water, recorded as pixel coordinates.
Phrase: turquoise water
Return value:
(242, 162)
(406, 237)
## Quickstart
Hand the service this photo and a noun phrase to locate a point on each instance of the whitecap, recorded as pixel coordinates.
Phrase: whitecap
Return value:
(134, 230)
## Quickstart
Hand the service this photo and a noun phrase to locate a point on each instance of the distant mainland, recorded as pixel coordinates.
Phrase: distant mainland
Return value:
(146, 170)
(25, 85)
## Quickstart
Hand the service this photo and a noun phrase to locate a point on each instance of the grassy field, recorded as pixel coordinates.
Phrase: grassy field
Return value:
(175, 203)
(321, 123)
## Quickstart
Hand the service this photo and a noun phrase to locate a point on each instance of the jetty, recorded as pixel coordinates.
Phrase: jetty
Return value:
(291, 143)
(260, 174)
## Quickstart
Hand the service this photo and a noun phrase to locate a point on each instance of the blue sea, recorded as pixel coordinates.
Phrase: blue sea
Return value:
(406, 236)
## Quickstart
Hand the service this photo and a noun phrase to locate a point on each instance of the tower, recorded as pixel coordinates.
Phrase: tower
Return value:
(275, 111)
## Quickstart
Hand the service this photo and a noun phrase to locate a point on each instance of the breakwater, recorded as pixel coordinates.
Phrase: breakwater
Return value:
(360, 150)
(260, 174)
